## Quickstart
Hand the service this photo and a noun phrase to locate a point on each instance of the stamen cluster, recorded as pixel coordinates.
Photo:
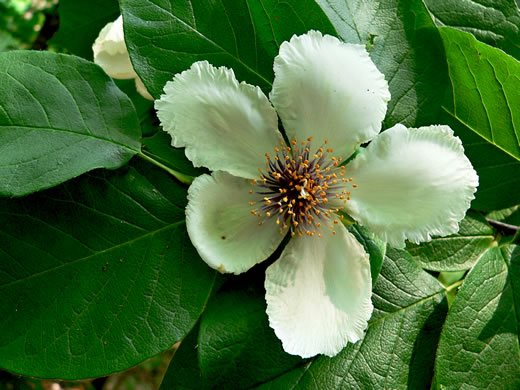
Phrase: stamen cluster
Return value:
(297, 187)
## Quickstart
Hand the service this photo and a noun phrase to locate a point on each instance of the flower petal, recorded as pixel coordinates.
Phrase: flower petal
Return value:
(318, 294)
(412, 184)
(327, 89)
(227, 236)
(224, 125)
(110, 51)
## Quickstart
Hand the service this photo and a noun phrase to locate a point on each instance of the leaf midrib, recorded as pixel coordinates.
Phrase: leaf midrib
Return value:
(75, 132)
(75, 261)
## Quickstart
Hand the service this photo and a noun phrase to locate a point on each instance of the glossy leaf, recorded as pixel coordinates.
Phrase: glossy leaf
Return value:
(486, 90)
(184, 371)
(405, 45)
(479, 345)
(97, 275)
(165, 37)
(496, 23)
(456, 252)
(80, 24)
(68, 118)
(236, 346)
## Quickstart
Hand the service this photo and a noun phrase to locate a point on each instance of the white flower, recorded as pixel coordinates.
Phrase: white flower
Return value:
(111, 54)
(406, 184)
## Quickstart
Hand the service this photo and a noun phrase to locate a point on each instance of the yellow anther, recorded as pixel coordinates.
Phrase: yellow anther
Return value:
(354, 185)
(251, 203)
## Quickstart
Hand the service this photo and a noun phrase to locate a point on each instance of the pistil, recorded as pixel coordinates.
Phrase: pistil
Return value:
(299, 185)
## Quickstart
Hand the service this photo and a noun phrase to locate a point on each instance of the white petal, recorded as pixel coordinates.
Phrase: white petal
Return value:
(224, 125)
(221, 227)
(110, 51)
(139, 85)
(412, 184)
(318, 294)
(327, 89)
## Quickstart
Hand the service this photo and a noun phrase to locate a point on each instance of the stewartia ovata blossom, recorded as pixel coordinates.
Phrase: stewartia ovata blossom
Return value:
(406, 184)
(111, 54)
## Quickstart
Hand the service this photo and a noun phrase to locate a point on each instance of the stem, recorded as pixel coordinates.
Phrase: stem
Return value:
(505, 226)
(179, 176)
(454, 285)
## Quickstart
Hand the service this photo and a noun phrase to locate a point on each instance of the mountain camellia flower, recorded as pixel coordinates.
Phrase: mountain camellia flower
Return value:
(111, 54)
(331, 98)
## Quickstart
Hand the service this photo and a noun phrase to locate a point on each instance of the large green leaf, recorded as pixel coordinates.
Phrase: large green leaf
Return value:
(486, 90)
(495, 22)
(479, 346)
(186, 373)
(236, 346)
(60, 116)
(165, 37)
(405, 45)
(97, 275)
(456, 252)
(80, 23)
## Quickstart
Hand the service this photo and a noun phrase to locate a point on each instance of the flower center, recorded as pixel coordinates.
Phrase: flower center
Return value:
(302, 188)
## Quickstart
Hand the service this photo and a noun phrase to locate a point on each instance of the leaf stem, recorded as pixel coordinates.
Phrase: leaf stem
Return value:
(454, 285)
(179, 176)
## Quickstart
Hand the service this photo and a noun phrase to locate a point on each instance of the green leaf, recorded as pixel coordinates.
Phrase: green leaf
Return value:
(456, 252)
(97, 274)
(496, 23)
(67, 118)
(184, 372)
(479, 346)
(143, 107)
(399, 346)
(80, 24)
(237, 348)
(165, 37)
(486, 90)
(508, 215)
(159, 148)
(405, 45)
